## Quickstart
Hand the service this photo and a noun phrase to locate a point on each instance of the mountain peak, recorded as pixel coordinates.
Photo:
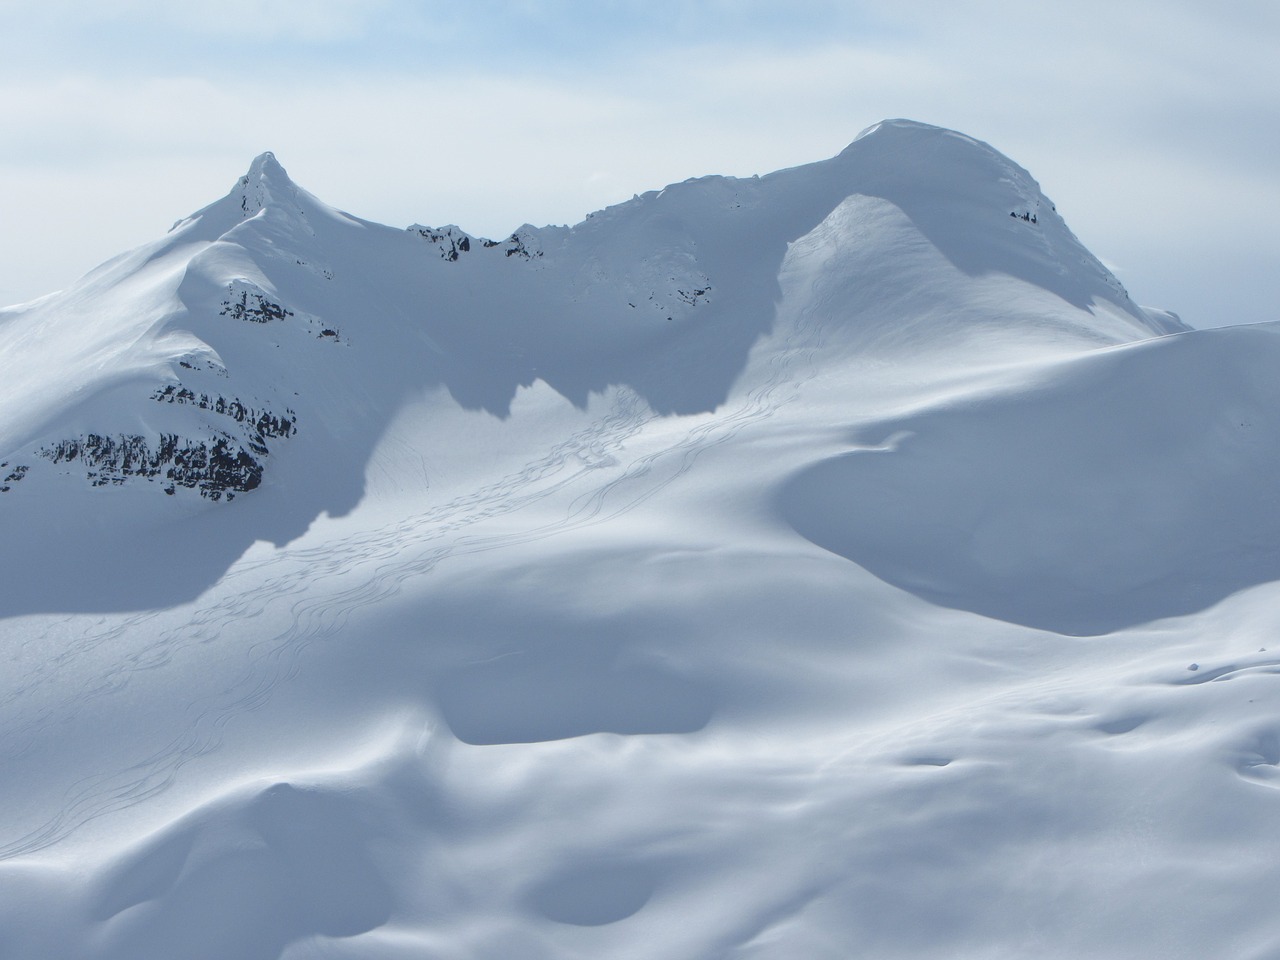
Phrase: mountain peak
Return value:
(900, 124)
(265, 181)
(266, 166)
(892, 136)
(265, 184)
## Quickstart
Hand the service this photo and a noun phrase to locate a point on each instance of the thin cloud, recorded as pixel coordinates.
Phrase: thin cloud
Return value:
(250, 21)
(1151, 125)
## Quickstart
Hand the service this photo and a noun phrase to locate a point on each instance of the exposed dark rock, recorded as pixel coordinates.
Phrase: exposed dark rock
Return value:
(518, 248)
(14, 475)
(263, 423)
(692, 297)
(451, 241)
(216, 467)
(253, 307)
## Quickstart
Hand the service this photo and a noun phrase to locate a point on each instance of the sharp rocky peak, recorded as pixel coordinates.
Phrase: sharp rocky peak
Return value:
(265, 181)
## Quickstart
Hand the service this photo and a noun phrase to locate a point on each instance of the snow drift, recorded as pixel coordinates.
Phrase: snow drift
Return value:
(982, 504)
(828, 563)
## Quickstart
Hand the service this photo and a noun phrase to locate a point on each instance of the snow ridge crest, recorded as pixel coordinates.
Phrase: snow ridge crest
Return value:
(265, 181)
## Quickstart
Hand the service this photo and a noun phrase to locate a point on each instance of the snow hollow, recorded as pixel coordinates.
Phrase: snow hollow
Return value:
(826, 564)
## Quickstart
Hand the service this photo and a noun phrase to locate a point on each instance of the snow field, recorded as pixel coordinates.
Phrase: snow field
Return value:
(905, 594)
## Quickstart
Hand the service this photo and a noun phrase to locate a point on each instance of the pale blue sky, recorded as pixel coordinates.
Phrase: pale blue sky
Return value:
(391, 36)
(1155, 127)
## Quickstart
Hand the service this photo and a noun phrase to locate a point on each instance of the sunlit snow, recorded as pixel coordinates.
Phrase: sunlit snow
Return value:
(830, 564)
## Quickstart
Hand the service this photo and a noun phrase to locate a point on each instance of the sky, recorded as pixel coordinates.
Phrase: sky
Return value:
(1154, 125)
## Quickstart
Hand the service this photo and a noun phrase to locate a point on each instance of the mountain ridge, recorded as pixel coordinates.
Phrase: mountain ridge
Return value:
(828, 564)
(626, 274)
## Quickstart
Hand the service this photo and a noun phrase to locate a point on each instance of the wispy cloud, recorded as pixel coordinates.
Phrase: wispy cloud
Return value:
(1152, 125)
(249, 21)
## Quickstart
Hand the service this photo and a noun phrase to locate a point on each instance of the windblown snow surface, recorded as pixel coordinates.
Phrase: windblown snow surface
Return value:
(830, 564)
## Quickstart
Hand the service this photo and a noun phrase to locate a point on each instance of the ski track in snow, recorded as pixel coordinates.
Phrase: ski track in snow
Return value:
(431, 537)
(841, 765)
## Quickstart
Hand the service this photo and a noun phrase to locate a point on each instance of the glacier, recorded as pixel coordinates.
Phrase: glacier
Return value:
(830, 563)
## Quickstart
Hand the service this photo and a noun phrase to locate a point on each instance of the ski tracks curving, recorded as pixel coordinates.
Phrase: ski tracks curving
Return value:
(314, 590)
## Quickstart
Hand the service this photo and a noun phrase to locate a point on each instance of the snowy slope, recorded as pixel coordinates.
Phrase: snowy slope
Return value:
(825, 564)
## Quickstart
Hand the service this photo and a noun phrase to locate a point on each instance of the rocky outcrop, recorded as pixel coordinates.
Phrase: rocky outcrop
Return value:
(11, 476)
(216, 467)
(254, 307)
(263, 423)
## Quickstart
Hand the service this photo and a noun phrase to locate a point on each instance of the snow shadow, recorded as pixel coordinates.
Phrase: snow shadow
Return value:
(358, 319)
(526, 674)
(244, 879)
(88, 555)
(1136, 486)
(340, 322)
(666, 294)
(594, 894)
(554, 694)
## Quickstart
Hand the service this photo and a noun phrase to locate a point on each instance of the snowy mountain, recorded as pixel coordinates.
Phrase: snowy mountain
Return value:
(831, 563)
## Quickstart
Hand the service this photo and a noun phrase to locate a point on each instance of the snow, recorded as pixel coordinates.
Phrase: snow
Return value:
(981, 504)
(825, 564)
